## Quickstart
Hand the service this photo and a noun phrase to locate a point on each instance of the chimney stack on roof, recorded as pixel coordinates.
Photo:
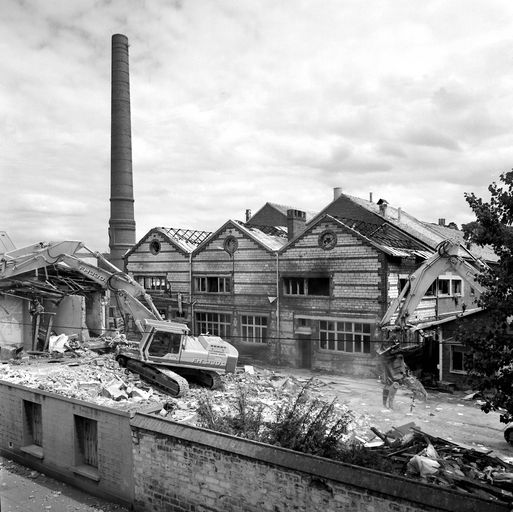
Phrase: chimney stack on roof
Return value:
(370, 197)
(296, 220)
(248, 215)
(441, 222)
(337, 192)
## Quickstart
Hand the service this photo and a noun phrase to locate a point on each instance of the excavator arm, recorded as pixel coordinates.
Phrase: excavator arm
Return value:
(449, 256)
(127, 291)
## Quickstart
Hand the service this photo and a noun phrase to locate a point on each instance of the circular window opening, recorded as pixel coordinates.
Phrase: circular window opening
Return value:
(231, 244)
(155, 247)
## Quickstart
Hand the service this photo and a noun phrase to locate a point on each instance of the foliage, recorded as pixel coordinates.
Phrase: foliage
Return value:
(301, 423)
(491, 341)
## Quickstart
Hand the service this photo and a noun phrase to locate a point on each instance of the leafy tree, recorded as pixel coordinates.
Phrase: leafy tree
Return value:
(491, 340)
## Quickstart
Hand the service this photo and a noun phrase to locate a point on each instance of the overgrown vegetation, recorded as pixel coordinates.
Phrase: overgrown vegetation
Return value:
(303, 424)
(491, 340)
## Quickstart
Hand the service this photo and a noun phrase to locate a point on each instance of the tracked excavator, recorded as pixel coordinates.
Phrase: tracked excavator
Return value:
(449, 256)
(166, 354)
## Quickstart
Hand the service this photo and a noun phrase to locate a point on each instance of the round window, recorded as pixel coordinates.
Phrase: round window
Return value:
(155, 247)
(231, 244)
(327, 240)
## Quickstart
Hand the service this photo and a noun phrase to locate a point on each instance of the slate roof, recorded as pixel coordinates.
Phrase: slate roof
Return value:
(283, 209)
(430, 234)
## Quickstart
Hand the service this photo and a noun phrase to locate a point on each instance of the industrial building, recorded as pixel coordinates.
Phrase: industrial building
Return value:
(303, 289)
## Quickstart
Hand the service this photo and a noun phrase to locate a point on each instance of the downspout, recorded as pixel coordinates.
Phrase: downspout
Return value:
(440, 354)
(278, 335)
(190, 293)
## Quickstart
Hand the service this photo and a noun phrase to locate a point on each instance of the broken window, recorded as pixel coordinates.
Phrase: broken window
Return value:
(86, 441)
(152, 283)
(33, 424)
(212, 284)
(319, 286)
(345, 336)
(457, 286)
(217, 324)
(254, 328)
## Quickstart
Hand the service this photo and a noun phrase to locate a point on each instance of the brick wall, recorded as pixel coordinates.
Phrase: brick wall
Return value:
(114, 470)
(181, 468)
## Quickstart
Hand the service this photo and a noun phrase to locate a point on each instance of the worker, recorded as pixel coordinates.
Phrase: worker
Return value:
(394, 372)
(36, 309)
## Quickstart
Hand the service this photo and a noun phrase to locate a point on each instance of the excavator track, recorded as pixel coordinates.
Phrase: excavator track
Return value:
(206, 378)
(163, 378)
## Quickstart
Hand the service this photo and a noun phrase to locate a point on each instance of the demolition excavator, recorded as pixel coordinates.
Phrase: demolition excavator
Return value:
(166, 354)
(398, 323)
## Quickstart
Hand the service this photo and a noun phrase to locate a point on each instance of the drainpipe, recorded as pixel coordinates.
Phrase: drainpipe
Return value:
(190, 294)
(278, 340)
(440, 354)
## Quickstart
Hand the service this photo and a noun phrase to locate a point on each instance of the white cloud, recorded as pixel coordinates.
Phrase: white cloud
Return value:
(239, 103)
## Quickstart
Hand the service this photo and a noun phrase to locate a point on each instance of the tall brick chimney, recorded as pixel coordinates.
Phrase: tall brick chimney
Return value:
(296, 220)
(122, 221)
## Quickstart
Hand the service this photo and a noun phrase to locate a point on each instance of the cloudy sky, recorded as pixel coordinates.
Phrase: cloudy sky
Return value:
(240, 102)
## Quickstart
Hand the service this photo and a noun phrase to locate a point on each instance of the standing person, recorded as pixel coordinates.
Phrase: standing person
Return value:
(36, 309)
(394, 372)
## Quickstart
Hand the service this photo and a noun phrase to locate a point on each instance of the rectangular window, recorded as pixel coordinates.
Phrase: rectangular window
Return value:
(319, 286)
(345, 336)
(86, 436)
(212, 284)
(254, 328)
(456, 285)
(458, 358)
(444, 286)
(33, 424)
(217, 324)
(152, 283)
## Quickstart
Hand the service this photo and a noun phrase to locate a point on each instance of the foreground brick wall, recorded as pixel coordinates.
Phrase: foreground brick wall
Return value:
(58, 443)
(181, 468)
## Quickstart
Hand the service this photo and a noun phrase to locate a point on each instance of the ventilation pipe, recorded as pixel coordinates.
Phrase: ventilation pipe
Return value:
(248, 215)
(383, 204)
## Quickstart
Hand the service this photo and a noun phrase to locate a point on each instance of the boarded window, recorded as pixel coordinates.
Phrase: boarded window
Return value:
(86, 437)
(33, 425)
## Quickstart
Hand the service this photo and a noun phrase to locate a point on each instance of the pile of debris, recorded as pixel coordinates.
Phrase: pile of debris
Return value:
(417, 454)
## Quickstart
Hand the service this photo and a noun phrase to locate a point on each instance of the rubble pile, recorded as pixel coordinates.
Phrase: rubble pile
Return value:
(84, 376)
(438, 461)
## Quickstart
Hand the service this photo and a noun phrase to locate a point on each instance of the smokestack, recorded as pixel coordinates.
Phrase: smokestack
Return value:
(122, 222)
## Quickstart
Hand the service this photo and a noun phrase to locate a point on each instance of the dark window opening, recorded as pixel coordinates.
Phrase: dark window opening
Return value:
(33, 425)
(345, 336)
(306, 286)
(212, 284)
(86, 431)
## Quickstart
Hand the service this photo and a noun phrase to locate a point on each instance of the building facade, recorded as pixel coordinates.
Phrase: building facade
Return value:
(300, 289)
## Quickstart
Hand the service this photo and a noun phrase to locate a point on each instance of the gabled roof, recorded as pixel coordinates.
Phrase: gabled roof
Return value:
(275, 215)
(384, 238)
(424, 232)
(185, 240)
(283, 209)
(271, 243)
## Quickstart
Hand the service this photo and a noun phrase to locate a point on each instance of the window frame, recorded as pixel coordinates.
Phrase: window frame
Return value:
(345, 336)
(298, 286)
(463, 351)
(259, 331)
(216, 323)
(206, 284)
(157, 282)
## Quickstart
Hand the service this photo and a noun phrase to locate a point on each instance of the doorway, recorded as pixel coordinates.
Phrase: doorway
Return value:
(305, 351)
